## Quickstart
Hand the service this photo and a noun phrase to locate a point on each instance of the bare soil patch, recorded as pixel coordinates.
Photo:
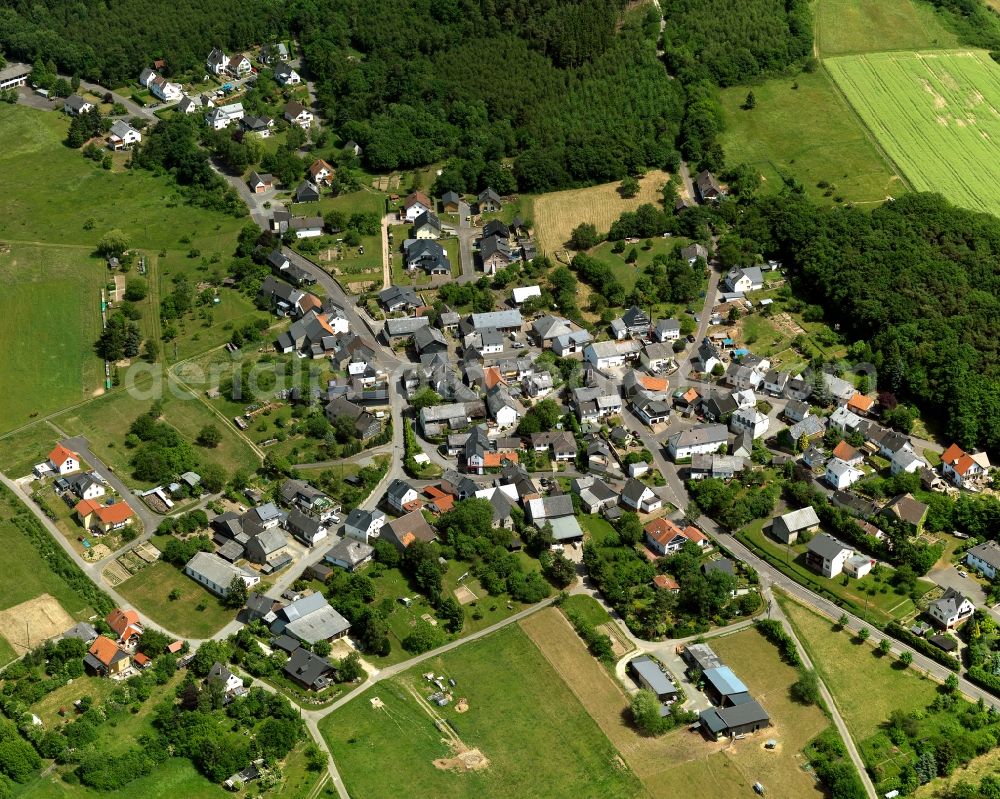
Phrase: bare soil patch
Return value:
(31, 623)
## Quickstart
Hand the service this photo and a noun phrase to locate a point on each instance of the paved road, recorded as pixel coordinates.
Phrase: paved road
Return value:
(467, 235)
(253, 202)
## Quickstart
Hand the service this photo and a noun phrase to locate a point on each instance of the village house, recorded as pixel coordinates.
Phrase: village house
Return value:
(308, 670)
(494, 254)
(216, 62)
(126, 626)
(907, 508)
(364, 525)
(985, 558)
(450, 202)
(106, 659)
(86, 486)
(665, 537)
(414, 205)
(595, 494)
(366, 425)
(259, 183)
(310, 619)
(950, 609)
(750, 420)
(350, 554)
(961, 468)
(826, 555)
(61, 460)
(105, 518)
(708, 188)
(427, 225)
(75, 105)
(840, 474)
(639, 497)
(223, 116)
(122, 136)
(297, 114)
(633, 323)
(699, 440)
(667, 330)
(216, 574)
(489, 201)
(408, 528)
(286, 76)
(745, 278)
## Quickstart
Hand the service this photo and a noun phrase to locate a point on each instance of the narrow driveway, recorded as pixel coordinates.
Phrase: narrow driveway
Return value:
(467, 235)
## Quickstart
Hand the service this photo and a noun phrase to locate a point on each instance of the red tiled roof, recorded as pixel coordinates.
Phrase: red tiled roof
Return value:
(444, 503)
(663, 531)
(952, 454)
(435, 493)
(140, 659)
(496, 459)
(114, 514)
(845, 452)
(860, 402)
(693, 534)
(666, 583)
(963, 464)
(176, 646)
(653, 383)
(417, 197)
(60, 454)
(85, 507)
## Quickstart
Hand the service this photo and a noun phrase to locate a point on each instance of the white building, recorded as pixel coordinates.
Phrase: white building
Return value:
(751, 420)
(840, 474)
(217, 574)
(950, 609)
(701, 440)
(827, 555)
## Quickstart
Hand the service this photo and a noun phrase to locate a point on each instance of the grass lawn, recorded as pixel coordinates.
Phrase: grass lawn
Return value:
(149, 590)
(627, 273)
(882, 606)
(176, 777)
(557, 213)
(19, 452)
(681, 763)
(809, 133)
(538, 739)
(596, 526)
(26, 575)
(865, 26)
(50, 317)
(148, 208)
(935, 116)
(866, 688)
(588, 607)
(105, 423)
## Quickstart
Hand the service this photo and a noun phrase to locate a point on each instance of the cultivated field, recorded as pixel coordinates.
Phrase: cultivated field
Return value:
(536, 737)
(936, 115)
(150, 591)
(50, 317)
(556, 214)
(867, 26)
(807, 132)
(866, 688)
(32, 623)
(682, 762)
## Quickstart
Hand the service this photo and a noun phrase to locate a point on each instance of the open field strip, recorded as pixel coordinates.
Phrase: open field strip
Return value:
(936, 115)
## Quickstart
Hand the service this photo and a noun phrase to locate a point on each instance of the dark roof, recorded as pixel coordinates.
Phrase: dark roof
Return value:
(309, 669)
(944, 642)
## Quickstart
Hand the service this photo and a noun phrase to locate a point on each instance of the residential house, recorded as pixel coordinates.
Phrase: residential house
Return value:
(750, 420)
(307, 529)
(364, 525)
(693, 252)
(400, 496)
(216, 574)
(840, 474)
(960, 467)
(700, 440)
(350, 554)
(438, 419)
(309, 670)
(634, 322)
(494, 253)
(604, 355)
(810, 428)
(427, 226)
(827, 555)
(62, 460)
(86, 486)
(306, 227)
(429, 340)
(908, 509)
(950, 609)
(548, 327)
(707, 357)
(239, 66)
(427, 255)
(509, 321)
(650, 407)
(665, 537)
(450, 202)
(216, 62)
(570, 343)
(271, 53)
(297, 114)
(286, 76)
(860, 404)
(796, 410)
(595, 494)
(775, 382)
(708, 188)
(307, 192)
(656, 356)
(522, 294)
(985, 558)
(542, 509)
(310, 619)
(105, 518)
(126, 625)
(745, 278)
(268, 548)
(788, 527)
(311, 500)
(667, 330)
(366, 425)
(230, 684)
(639, 497)
(838, 388)
(75, 105)
(321, 172)
(408, 528)
(597, 401)
(414, 205)
(506, 410)
(853, 504)
(906, 460)
(489, 201)
(122, 136)
(104, 658)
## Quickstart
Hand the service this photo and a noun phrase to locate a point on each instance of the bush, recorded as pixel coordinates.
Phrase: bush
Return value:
(775, 633)
(923, 646)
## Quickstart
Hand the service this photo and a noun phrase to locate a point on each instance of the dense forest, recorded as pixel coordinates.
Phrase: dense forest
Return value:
(733, 41)
(918, 280)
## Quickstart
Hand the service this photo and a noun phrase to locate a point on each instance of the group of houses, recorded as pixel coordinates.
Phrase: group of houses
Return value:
(735, 712)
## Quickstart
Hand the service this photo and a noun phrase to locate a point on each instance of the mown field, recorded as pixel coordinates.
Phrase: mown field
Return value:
(936, 115)
(557, 213)
(868, 26)
(803, 128)
(50, 317)
(537, 737)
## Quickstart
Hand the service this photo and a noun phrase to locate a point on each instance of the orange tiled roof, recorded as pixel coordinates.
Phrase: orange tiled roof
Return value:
(952, 454)
(690, 395)
(693, 534)
(114, 514)
(444, 503)
(119, 619)
(60, 454)
(666, 583)
(85, 507)
(492, 376)
(495, 459)
(141, 659)
(309, 303)
(963, 464)
(663, 531)
(104, 649)
(860, 402)
(845, 451)
(653, 383)
(435, 493)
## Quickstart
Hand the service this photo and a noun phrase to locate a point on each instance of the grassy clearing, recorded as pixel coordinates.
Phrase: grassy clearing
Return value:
(518, 710)
(626, 272)
(935, 115)
(588, 607)
(556, 214)
(176, 777)
(681, 762)
(866, 688)
(148, 208)
(19, 452)
(50, 317)
(149, 590)
(865, 26)
(105, 423)
(882, 606)
(809, 133)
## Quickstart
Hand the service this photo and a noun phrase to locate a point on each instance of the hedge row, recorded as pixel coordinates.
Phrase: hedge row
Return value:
(984, 679)
(775, 633)
(922, 645)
